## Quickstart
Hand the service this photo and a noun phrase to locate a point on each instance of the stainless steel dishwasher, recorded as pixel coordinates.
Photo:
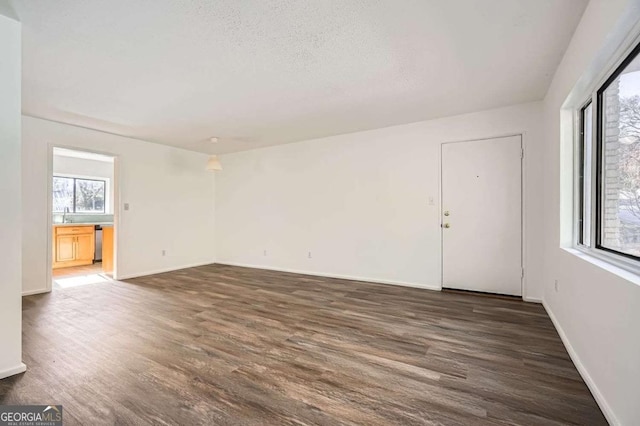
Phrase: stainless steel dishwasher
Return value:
(97, 257)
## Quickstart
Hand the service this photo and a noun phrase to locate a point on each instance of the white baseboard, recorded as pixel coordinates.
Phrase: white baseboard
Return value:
(531, 299)
(39, 291)
(602, 403)
(161, 271)
(13, 371)
(329, 275)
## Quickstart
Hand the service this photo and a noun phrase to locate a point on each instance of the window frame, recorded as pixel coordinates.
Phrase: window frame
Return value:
(580, 175)
(90, 179)
(623, 260)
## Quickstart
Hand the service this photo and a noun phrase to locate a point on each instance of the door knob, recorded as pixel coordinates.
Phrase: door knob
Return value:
(446, 225)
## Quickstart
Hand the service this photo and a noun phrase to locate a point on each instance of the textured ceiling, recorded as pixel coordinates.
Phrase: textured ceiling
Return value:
(264, 72)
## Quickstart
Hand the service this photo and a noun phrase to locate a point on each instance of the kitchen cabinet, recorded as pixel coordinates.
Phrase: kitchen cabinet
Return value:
(107, 249)
(73, 246)
(65, 248)
(85, 247)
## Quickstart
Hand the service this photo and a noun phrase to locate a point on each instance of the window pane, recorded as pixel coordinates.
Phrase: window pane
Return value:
(89, 196)
(620, 210)
(586, 148)
(62, 194)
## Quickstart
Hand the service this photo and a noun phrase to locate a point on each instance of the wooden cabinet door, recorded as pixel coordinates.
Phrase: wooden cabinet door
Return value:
(85, 247)
(65, 248)
(107, 249)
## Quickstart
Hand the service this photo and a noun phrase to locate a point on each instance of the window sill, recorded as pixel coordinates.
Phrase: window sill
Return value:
(608, 262)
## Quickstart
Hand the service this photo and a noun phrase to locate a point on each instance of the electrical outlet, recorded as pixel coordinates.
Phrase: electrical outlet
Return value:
(126, 206)
(264, 253)
(309, 255)
(164, 252)
(556, 285)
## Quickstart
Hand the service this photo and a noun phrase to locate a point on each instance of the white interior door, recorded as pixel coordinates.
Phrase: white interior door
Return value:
(482, 215)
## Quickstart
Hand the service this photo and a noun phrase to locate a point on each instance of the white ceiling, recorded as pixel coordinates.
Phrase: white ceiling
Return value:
(265, 72)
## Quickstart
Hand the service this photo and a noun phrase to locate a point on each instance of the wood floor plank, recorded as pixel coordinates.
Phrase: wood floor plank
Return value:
(227, 345)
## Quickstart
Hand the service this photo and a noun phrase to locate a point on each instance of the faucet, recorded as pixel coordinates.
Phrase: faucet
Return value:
(64, 215)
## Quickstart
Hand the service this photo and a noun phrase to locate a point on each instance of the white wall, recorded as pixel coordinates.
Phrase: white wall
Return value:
(10, 193)
(360, 202)
(83, 167)
(596, 310)
(169, 192)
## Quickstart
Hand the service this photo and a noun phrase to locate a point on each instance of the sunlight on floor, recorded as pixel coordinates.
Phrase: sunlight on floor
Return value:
(81, 280)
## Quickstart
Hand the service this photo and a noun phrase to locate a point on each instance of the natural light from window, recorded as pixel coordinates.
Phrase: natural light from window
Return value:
(620, 224)
(76, 195)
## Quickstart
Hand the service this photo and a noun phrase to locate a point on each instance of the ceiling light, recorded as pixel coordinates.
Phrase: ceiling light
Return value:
(213, 139)
(214, 164)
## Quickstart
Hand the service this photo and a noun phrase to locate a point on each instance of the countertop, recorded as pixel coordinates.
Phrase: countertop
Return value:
(85, 224)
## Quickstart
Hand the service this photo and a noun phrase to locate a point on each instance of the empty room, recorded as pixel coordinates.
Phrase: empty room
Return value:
(270, 212)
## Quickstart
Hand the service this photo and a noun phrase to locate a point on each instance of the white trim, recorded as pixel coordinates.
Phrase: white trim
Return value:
(39, 291)
(531, 299)
(613, 259)
(162, 271)
(523, 216)
(330, 275)
(49, 248)
(484, 138)
(608, 262)
(13, 370)
(602, 403)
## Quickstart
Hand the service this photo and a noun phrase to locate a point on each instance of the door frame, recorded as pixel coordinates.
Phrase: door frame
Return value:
(116, 206)
(523, 250)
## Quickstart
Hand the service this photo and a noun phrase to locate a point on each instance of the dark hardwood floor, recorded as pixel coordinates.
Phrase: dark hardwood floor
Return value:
(227, 345)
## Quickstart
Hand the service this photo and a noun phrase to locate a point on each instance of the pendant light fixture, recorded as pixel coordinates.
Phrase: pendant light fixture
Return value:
(213, 164)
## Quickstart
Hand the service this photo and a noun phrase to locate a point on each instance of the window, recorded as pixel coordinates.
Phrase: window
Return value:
(78, 195)
(609, 143)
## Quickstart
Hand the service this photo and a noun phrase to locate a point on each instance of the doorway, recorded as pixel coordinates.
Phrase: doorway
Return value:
(82, 210)
(482, 215)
